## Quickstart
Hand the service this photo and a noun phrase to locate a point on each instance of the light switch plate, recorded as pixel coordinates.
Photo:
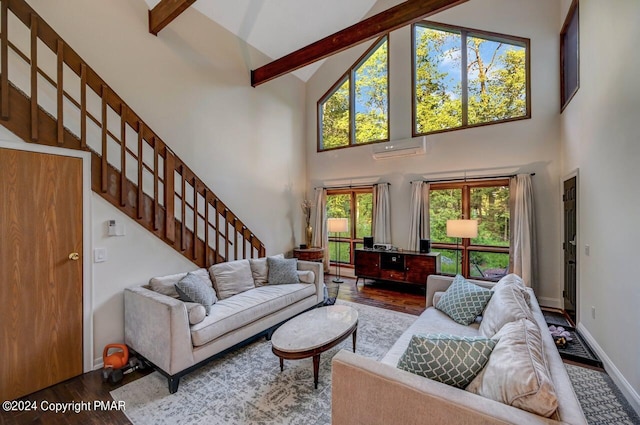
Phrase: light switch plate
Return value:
(99, 255)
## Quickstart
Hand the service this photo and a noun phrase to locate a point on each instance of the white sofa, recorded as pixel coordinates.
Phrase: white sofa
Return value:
(366, 391)
(176, 337)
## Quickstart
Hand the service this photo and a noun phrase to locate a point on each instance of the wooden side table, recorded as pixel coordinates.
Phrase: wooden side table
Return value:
(309, 254)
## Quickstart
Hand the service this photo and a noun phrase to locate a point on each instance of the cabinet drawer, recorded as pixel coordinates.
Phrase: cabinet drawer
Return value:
(391, 275)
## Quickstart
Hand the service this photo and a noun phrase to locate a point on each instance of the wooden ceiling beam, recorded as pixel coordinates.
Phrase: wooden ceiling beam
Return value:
(396, 17)
(165, 12)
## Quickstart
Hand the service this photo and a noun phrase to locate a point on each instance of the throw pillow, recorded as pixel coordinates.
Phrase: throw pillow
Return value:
(196, 312)
(450, 359)
(283, 271)
(193, 289)
(515, 280)
(260, 270)
(167, 284)
(517, 373)
(463, 301)
(306, 276)
(507, 304)
(231, 278)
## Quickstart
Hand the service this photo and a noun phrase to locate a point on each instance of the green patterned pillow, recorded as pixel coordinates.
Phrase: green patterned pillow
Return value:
(450, 359)
(464, 301)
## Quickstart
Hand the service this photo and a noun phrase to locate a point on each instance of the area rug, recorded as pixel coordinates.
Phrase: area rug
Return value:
(247, 387)
(601, 400)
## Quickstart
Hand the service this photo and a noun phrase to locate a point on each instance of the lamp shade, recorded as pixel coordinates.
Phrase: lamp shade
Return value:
(462, 228)
(337, 225)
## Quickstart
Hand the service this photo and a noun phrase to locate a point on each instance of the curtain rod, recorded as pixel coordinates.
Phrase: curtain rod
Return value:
(351, 186)
(463, 179)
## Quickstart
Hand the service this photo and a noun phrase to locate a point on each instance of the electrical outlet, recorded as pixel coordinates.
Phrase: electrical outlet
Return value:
(593, 312)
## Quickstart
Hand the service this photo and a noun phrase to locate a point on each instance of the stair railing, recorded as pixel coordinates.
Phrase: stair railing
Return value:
(49, 95)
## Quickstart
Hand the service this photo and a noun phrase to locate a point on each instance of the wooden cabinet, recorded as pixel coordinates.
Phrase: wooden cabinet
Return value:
(418, 267)
(397, 266)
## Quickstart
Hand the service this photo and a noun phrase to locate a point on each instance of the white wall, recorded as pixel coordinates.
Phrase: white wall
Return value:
(522, 146)
(600, 138)
(191, 85)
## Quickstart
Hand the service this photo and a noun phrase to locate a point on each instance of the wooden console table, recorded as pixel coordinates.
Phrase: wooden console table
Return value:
(309, 254)
(396, 266)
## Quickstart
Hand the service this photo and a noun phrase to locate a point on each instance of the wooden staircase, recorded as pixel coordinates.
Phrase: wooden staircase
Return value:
(50, 96)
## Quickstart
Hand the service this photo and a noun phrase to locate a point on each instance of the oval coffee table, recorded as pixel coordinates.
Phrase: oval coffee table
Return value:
(313, 333)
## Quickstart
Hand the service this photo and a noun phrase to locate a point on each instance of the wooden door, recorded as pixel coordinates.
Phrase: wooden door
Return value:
(569, 198)
(40, 285)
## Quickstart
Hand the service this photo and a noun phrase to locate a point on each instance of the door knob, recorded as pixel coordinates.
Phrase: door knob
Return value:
(74, 256)
(573, 242)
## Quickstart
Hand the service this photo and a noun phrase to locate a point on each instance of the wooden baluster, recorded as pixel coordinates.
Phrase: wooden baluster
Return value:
(235, 239)
(195, 219)
(34, 78)
(4, 56)
(60, 96)
(169, 196)
(206, 228)
(183, 199)
(217, 232)
(83, 105)
(244, 242)
(226, 234)
(123, 155)
(103, 171)
(140, 168)
(156, 154)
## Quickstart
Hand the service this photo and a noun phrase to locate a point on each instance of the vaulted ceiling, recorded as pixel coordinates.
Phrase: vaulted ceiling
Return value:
(279, 27)
(282, 25)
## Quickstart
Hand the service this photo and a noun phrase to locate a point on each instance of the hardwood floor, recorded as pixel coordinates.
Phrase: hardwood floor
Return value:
(82, 393)
(391, 296)
(89, 388)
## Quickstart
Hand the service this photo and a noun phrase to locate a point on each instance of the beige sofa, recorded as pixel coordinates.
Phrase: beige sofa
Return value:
(366, 391)
(176, 337)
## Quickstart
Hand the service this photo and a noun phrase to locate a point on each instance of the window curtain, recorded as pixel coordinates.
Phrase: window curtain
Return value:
(381, 220)
(321, 236)
(419, 219)
(523, 242)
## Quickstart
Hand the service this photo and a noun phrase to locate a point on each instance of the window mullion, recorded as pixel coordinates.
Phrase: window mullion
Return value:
(464, 78)
(352, 108)
(466, 242)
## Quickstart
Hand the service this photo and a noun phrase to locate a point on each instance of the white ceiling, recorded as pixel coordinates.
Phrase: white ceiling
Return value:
(279, 27)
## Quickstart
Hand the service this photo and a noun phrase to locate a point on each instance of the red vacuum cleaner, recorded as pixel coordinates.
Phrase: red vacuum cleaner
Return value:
(118, 363)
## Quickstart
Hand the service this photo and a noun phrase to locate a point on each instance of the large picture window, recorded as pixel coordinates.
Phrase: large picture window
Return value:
(355, 111)
(465, 78)
(356, 205)
(484, 257)
(570, 56)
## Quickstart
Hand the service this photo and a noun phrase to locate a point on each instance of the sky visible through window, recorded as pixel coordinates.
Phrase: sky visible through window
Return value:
(495, 72)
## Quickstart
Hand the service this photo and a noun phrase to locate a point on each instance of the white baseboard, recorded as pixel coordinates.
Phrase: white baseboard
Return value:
(627, 390)
(98, 363)
(550, 302)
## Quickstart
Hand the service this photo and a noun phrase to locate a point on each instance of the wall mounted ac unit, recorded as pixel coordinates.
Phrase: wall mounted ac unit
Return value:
(399, 148)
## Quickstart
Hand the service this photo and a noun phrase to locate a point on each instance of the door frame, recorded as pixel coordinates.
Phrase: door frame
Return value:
(574, 173)
(87, 282)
